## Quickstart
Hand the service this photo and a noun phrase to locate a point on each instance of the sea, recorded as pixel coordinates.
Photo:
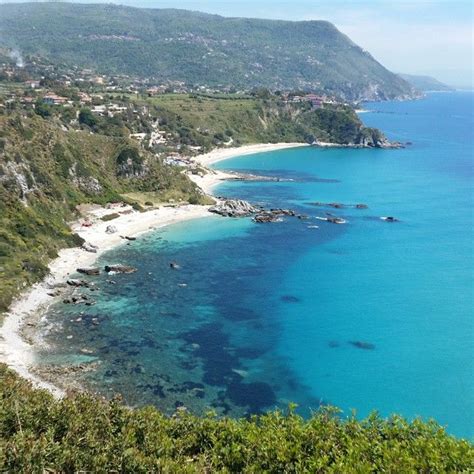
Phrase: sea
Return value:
(370, 315)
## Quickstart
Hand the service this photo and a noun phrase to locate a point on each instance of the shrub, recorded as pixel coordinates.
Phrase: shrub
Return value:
(41, 434)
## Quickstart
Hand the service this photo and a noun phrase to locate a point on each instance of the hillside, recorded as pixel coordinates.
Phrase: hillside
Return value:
(207, 121)
(45, 172)
(426, 83)
(200, 49)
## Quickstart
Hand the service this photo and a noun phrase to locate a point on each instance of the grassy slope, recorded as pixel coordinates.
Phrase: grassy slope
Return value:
(38, 433)
(252, 120)
(198, 48)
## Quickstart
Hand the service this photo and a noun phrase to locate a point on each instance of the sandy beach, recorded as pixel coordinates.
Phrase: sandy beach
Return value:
(213, 177)
(220, 154)
(15, 350)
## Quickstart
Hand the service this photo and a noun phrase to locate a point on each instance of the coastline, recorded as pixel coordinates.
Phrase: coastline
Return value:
(214, 177)
(220, 154)
(16, 350)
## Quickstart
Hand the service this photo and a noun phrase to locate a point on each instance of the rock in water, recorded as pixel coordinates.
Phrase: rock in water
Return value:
(88, 247)
(234, 208)
(119, 269)
(88, 271)
(77, 283)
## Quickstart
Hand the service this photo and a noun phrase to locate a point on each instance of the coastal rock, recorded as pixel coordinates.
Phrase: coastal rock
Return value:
(335, 220)
(88, 247)
(54, 293)
(338, 205)
(274, 215)
(78, 299)
(119, 269)
(266, 217)
(234, 208)
(89, 271)
(111, 229)
(283, 212)
(77, 283)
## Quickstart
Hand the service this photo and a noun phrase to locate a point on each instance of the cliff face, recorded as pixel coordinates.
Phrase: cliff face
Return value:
(201, 49)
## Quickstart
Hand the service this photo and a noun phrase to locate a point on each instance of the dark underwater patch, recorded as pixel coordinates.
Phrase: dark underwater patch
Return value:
(217, 362)
(290, 299)
(363, 345)
(257, 395)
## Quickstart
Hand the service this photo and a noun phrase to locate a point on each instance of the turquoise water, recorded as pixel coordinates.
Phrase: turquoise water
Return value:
(369, 315)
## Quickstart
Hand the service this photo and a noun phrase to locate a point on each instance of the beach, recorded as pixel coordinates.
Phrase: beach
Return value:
(220, 154)
(16, 349)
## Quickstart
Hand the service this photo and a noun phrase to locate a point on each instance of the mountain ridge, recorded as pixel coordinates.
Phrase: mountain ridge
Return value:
(426, 83)
(200, 48)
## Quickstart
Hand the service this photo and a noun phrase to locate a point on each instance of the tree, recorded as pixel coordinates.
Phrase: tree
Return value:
(86, 117)
(42, 109)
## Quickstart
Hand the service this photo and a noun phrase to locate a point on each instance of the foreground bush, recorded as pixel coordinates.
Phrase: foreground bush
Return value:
(41, 434)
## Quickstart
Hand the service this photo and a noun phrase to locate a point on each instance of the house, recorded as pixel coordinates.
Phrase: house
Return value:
(33, 84)
(84, 98)
(156, 90)
(53, 99)
(99, 110)
(316, 100)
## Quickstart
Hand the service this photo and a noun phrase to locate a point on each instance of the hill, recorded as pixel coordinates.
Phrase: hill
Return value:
(45, 172)
(200, 49)
(426, 83)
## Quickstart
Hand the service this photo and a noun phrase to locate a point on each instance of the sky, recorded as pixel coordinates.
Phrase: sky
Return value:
(429, 37)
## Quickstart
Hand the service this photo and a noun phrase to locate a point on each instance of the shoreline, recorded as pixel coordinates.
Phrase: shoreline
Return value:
(220, 154)
(215, 177)
(30, 306)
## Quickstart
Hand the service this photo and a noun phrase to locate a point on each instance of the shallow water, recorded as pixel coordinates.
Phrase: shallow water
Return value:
(367, 315)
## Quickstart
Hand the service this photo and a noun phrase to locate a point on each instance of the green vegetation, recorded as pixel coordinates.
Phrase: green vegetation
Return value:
(80, 433)
(200, 49)
(209, 122)
(46, 172)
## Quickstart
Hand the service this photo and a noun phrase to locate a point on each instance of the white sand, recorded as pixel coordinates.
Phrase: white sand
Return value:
(214, 177)
(15, 351)
(220, 154)
(211, 179)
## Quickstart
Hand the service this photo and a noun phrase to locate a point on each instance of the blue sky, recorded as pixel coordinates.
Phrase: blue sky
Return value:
(433, 37)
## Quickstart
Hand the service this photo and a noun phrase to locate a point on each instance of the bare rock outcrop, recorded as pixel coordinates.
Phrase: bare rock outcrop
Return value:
(234, 208)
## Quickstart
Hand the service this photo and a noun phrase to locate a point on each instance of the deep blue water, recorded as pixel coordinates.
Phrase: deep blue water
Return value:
(369, 315)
